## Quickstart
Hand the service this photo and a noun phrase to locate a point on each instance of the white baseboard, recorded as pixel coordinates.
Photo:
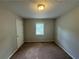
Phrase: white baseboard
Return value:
(64, 50)
(14, 52)
(38, 41)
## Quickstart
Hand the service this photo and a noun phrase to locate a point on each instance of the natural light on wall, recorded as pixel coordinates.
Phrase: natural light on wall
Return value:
(39, 28)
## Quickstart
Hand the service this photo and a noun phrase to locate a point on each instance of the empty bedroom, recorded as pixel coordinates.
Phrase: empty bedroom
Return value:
(39, 29)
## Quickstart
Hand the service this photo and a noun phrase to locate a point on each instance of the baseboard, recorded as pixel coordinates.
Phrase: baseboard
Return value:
(38, 41)
(64, 50)
(14, 52)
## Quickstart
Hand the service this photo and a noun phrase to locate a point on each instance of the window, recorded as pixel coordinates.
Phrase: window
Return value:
(39, 28)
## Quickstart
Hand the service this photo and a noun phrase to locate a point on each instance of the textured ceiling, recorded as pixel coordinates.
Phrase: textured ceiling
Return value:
(27, 8)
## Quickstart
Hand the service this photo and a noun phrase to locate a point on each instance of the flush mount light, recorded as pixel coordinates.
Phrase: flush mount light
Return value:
(41, 7)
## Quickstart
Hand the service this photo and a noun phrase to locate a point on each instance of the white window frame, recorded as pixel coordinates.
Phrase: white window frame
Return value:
(39, 30)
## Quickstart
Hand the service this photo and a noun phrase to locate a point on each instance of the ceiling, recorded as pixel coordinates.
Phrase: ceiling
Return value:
(27, 8)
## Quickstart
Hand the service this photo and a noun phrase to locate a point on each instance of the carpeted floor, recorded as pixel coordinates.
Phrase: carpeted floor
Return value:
(40, 51)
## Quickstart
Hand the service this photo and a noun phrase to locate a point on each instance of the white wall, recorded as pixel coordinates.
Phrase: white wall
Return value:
(8, 40)
(67, 32)
(29, 30)
(20, 34)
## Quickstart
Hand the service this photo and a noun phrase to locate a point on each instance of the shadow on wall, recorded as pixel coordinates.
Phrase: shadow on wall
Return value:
(67, 33)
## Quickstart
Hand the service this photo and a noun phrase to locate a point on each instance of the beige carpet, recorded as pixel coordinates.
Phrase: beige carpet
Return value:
(40, 51)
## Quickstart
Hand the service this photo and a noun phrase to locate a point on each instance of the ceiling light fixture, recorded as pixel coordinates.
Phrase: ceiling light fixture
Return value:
(41, 7)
